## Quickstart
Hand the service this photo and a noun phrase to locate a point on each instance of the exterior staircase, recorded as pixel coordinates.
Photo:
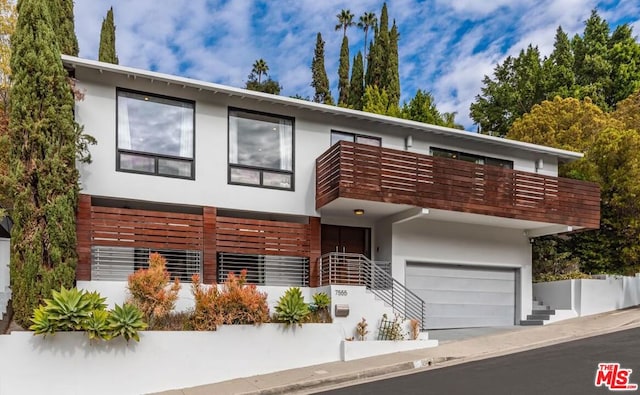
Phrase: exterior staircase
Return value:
(357, 269)
(540, 314)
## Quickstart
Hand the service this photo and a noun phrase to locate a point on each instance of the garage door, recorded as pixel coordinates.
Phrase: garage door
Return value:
(459, 296)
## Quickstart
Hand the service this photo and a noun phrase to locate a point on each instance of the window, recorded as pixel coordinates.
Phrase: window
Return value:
(260, 149)
(155, 135)
(478, 159)
(355, 138)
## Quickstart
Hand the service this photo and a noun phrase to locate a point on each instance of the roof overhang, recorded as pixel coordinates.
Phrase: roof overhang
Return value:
(74, 62)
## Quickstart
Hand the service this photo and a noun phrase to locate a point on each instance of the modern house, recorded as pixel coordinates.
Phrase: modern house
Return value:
(219, 179)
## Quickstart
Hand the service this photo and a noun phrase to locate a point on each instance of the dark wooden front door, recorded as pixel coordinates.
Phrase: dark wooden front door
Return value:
(346, 239)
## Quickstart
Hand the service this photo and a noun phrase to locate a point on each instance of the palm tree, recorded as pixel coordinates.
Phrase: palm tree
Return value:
(260, 67)
(345, 20)
(367, 20)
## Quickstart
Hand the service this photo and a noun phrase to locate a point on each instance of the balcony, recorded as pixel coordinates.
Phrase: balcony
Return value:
(374, 174)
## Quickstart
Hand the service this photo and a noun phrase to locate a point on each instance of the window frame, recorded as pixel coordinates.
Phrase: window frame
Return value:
(155, 156)
(457, 154)
(291, 173)
(355, 137)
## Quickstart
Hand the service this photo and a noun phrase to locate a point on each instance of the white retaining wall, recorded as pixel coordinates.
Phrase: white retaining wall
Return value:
(590, 296)
(5, 291)
(67, 363)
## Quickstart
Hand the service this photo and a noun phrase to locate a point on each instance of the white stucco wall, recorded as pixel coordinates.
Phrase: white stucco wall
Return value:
(67, 363)
(97, 112)
(423, 240)
(590, 296)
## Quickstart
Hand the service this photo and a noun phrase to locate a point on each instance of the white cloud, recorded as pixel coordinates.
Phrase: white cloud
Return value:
(446, 47)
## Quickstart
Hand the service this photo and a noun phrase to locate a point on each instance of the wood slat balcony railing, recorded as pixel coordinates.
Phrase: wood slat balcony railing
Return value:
(358, 171)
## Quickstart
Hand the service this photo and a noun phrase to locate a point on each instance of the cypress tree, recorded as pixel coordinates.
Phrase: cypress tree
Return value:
(107, 51)
(61, 14)
(320, 81)
(379, 53)
(43, 180)
(343, 72)
(392, 72)
(356, 86)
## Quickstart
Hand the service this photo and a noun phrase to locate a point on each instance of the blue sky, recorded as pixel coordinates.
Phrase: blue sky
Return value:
(446, 46)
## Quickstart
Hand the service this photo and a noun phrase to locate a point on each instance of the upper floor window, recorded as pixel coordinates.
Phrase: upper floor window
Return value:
(355, 138)
(260, 149)
(155, 135)
(478, 159)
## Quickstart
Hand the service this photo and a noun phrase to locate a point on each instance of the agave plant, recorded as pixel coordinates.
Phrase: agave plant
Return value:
(42, 325)
(68, 309)
(291, 308)
(126, 321)
(97, 325)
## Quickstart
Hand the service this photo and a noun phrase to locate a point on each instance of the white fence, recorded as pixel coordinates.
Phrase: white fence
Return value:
(590, 296)
(5, 292)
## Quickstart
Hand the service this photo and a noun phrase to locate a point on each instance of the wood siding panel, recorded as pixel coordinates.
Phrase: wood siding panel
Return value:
(210, 267)
(385, 175)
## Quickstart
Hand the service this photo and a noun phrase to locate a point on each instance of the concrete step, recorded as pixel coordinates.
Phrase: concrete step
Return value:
(531, 322)
(543, 311)
(536, 317)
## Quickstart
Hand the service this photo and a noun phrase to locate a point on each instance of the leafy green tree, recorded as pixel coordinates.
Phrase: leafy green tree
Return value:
(559, 68)
(8, 17)
(376, 100)
(422, 108)
(356, 85)
(43, 180)
(367, 21)
(107, 50)
(319, 79)
(61, 12)
(624, 56)
(517, 85)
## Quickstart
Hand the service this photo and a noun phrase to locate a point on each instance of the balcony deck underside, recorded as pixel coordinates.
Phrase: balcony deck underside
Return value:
(372, 174)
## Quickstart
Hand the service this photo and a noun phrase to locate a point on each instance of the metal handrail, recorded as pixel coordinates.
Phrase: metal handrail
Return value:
(357, 269)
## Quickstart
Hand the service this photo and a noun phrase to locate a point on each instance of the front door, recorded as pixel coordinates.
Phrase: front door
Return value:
(349, 239)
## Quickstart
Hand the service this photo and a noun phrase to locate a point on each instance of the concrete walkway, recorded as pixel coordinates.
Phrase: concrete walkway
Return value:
(316, 378)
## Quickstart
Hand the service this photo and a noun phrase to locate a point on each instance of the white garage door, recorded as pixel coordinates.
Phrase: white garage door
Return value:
(459, 296)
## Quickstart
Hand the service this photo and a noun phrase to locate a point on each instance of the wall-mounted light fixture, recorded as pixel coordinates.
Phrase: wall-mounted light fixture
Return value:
(358, 211)
(408, 142)
(539, 164)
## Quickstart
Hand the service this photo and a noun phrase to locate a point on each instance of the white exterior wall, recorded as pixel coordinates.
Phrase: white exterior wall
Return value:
(590, 296)
(428, 241)
(97, 112)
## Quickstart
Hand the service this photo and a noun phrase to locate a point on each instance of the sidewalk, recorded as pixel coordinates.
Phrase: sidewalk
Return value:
(453, 352)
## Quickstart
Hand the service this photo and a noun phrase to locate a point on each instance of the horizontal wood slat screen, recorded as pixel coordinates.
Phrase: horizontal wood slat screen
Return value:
(366, 172)
(250, 236)
(120, 227)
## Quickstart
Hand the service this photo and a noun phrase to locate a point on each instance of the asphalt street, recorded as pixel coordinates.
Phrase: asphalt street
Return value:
(567, 368)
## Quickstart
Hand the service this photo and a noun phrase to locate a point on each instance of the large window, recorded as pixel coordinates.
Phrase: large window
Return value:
(260, 149)
(155, 135)
(478, 159)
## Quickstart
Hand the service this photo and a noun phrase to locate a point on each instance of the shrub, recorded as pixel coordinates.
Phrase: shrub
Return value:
(291, 308)
(151, 292)
(236, 303)
(126, 321)
(414, 327)
(361, 329)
